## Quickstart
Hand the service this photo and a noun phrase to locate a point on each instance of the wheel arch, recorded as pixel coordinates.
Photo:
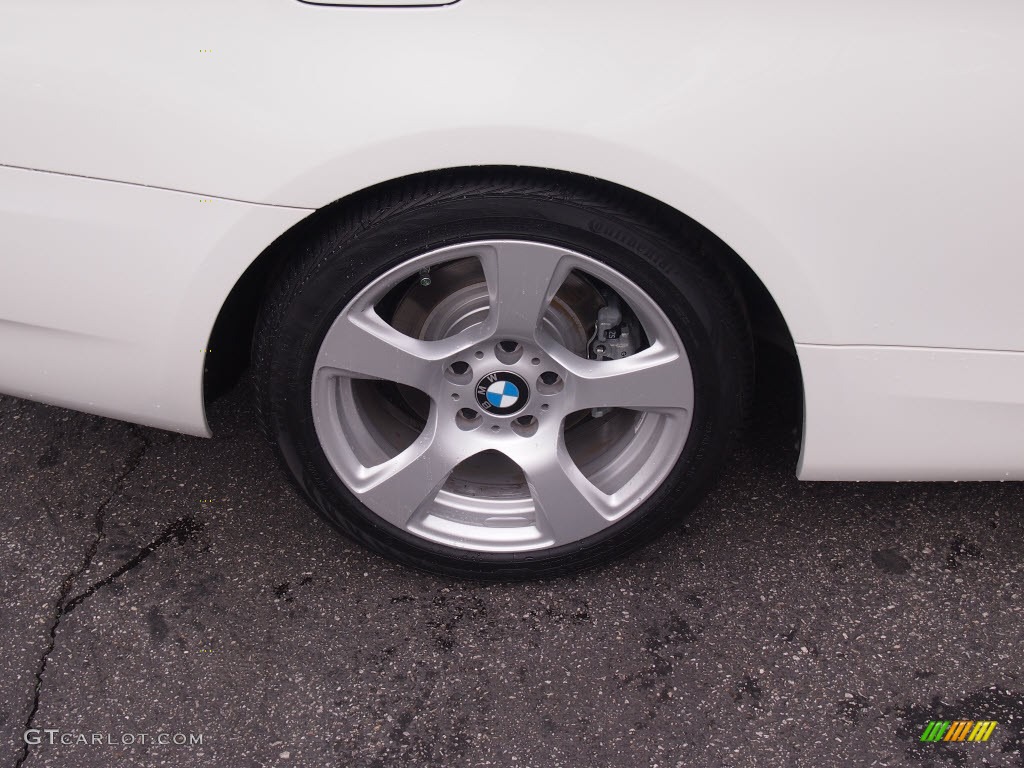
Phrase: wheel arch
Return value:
(235, 324)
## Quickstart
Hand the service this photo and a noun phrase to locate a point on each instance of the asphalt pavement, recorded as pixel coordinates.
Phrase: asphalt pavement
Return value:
(163, 587)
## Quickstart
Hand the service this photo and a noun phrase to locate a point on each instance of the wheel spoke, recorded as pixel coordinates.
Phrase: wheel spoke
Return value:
(522, 279)
(396, 489)
(569, 507)
(657, 378)
(362, 345)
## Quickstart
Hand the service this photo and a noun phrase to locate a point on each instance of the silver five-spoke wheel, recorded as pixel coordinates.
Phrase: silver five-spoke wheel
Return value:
(502, 373)
(465, 398)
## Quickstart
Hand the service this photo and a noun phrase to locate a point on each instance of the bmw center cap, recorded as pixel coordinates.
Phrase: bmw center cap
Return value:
(502, 393)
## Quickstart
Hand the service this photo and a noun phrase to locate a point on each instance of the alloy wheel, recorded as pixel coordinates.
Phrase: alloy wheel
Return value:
(465, 398)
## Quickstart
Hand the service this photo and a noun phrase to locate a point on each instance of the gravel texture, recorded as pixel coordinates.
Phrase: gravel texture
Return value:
(155, 583)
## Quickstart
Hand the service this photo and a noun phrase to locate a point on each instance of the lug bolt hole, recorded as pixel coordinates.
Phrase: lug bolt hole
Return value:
(467, 419)
(495, 428)
(479, 355)
(455, 395)
(508, 352)
(544, 407)
(458, 372)
(535, 361)
(525, 426)
(550, 383)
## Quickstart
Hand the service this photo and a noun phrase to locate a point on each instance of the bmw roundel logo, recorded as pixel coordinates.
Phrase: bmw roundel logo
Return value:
(502, 393)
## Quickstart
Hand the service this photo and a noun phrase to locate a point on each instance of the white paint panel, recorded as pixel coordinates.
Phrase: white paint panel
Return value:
(864, 158)
(109, 292)
(889, 413)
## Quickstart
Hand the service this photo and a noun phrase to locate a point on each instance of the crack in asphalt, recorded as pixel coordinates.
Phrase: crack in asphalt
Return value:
(180, 529)
(62, 604)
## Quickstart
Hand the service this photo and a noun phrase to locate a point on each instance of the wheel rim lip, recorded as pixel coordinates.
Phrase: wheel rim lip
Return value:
(501, 524)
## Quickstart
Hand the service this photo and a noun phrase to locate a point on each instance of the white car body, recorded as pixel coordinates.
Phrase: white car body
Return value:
(864, 159)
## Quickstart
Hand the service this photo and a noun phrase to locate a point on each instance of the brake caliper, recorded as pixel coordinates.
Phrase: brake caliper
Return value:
(613, 338)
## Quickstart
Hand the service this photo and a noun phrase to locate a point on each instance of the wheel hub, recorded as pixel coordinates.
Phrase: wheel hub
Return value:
(502, 393)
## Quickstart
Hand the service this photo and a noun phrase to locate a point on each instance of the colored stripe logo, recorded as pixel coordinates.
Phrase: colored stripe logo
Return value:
(958, 730)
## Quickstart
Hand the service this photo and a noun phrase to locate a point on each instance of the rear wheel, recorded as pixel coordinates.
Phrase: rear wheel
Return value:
(502, 378)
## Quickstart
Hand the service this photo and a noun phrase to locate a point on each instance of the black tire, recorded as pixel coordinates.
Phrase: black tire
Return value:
(661, 251)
